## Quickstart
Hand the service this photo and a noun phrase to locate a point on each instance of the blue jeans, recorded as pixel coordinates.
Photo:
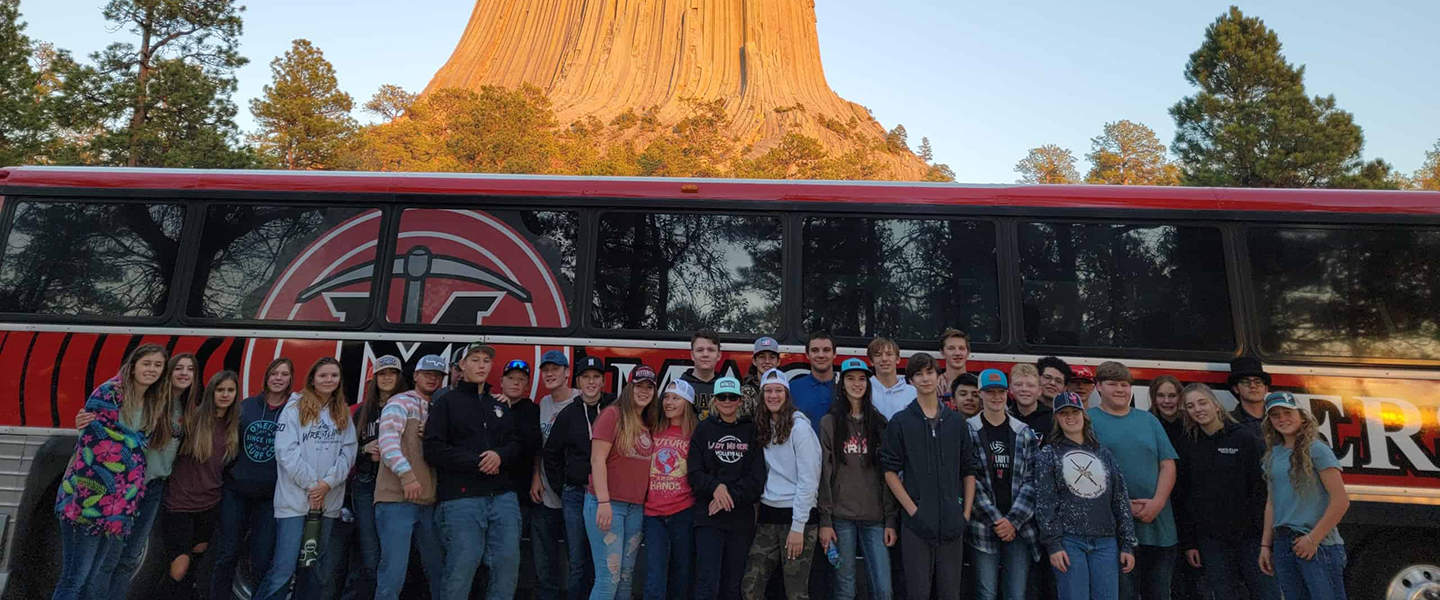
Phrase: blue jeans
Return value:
(480, 529)
(359, 583)
(1015, 555)
(289, 533)
(121, 566)
(1320, 578)
(869, 537)
(668, 550)
(1231, 567)
(242, 516)
(547, 546)
(400, 523)
(1153, 573)
(614, 551)
(577, 541)
(81, 558)
(1094, 572)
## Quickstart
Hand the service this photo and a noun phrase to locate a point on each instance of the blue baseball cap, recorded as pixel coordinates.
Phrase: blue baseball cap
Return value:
(432, 362)
(1068, 400)
(681, 388)
(853, 364)
(1285, 399)
(993, 378)
(766, 344)
(388, 362)
(727, 385)
(554, 357)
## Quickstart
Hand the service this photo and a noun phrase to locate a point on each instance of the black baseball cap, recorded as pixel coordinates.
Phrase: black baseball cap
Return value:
(590, 363)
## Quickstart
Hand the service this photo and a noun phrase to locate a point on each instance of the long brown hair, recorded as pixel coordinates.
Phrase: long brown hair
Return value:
(773, 429)
(1057, 432)
(202, 424)
(634, 421)
(155, 402)
(687, 422)
(375, 398)
(1302, 469)
(189, 398)
(275, 364)
(1179, 389)
(311, 403)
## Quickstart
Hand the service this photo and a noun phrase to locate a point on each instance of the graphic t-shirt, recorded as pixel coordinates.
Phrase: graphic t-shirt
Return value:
(999, 444)
(704, 390)
(549, 409)
(1138, 443)
(627, 475)
(1302, 510)
(669, 474)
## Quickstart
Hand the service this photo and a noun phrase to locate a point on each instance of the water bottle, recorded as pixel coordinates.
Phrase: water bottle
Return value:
(310, 542)
(833, 555)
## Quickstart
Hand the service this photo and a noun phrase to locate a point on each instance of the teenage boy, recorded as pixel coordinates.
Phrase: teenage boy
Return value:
(1082, 382)
(456, 377)
(813, 391)
(1250, 384)
(1002, 531)
(469, 438)
(929, 445)
(547, 519)
(765, 357)
(405, 486)
(1025, 393)
(1147, 460)
(567, 461)
(1054, 377)
(888, 390)
(705, 356)
(965, 395)
(954, 352)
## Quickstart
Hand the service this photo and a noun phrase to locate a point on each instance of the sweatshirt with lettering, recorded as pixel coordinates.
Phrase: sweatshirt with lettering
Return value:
(1223, 486)
(726, 453)
(308, 454)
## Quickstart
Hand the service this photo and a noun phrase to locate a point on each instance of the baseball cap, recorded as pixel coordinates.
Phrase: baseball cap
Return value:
(474, 347)
(1068, 400)
(766, 344)
(993, 378)
(774, 376)
(1082, 373)
(554, 357)
(388, 362)
(853, 364)
(681, 388)
(457, 356)
(590, 363)
(643, 373)
(516, 365)
(1285, 399)
(432, 362)
(727, 386)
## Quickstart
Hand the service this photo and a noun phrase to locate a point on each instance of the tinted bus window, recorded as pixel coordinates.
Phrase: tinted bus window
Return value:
(1125, 286)
(503, 268)
(901, 278)
(1347, 292)
(680, 272)
(285, 263)
(83, 259)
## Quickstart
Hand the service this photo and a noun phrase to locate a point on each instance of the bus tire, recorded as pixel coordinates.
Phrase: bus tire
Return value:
(38, 554)
(1396, 564)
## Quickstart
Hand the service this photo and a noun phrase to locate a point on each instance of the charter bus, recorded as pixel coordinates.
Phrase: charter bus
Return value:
(1337, 291)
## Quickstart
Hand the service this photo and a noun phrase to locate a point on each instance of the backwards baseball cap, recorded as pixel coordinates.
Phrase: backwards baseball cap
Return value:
(643, 373)
(1285, 399)
(388, 362)
(681, 388)
(590, 363)
(517, 365)
(457, 356)
(554, 357)
(993, 378)
(432, 362)
(774, 377)
(1068, 400)
(853, 364)
(474, 347)
(766, 344)
(727, 386)
(1082, 373)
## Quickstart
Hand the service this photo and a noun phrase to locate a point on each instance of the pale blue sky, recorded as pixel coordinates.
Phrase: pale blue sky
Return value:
(984, 81)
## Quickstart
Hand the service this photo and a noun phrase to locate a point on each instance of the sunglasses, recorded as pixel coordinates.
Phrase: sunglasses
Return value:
(726, 398)
(517, 364)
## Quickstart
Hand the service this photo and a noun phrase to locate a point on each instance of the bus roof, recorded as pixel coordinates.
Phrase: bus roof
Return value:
(868, 192)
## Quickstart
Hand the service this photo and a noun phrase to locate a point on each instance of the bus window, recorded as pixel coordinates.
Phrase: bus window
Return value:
(85, 259)
(903, 278)
(1362, 293)
(680, 272)
(1114, 285)
(285, 263)
(498, 268)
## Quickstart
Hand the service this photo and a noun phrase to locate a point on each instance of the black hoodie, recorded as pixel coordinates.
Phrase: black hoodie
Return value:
(527, 427)
(934, 465)
(1223, 485)
(464, 423)
(567, 450)
(726, 453)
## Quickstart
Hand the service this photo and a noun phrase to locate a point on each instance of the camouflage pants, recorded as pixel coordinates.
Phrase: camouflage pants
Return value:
(768, 552)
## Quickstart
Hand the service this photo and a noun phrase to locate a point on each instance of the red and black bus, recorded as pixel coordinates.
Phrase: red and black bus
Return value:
(1337, 291)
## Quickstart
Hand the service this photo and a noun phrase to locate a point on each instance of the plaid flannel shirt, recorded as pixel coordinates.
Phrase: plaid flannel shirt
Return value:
(1022, 491)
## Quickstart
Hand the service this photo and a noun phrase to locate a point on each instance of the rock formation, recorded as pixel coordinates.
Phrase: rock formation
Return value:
(603, 58)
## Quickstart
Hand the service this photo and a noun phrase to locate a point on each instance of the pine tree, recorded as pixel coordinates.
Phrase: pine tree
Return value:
(21, 108)
(897, 140)
(1128, 153)
(926, 153)
(1427, 177)
(1047, 164)
(390, 102)
(303, 115)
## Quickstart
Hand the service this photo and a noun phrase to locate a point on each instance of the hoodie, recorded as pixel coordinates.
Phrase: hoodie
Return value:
(852, 486)
(1223, 485)
(726, 453)
(793, 476)
(1080, 492)
(526, 416)
(253, 472)
(1041, 420)
(306, 455)
(567, 449)
(464, 423)
(933, 464)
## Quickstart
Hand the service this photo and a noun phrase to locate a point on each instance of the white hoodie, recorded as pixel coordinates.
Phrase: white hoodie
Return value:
(307, 455)
(794, 472)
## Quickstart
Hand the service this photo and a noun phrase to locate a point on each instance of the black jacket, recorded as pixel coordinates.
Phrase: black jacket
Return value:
(1223, 486)
(726, 453)
(527, 427)
(464, 423)
(934, 467)
(567, 450)
(1041, 420)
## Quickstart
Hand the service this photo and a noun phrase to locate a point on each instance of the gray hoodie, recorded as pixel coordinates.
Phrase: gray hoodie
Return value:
(307, 455)
(793, 477)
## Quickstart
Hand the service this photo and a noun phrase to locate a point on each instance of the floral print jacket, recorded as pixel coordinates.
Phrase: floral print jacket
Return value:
(106, 477)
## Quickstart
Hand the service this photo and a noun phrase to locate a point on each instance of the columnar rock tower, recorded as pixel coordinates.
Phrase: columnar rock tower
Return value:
(602, 58)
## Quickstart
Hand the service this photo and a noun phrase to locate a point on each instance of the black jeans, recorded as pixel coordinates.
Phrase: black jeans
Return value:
(242, 517)
(932, 566)
(720, 556)
(1151, 577)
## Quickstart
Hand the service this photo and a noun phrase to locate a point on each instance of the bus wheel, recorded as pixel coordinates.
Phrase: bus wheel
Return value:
(1415, 582)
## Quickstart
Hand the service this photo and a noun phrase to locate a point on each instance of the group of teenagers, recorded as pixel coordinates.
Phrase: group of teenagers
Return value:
(1045, 481)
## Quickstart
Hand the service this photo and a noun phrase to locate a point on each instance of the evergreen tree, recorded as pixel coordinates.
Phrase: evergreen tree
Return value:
(22, 120)
(390, 102)
(1427, 177)
(1128, 153)
(926, 153)
(1047, 164)
(303, 115)
(897, 140)
(1251, 123)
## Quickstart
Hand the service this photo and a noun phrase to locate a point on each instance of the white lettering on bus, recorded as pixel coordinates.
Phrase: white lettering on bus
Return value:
(1377, 433)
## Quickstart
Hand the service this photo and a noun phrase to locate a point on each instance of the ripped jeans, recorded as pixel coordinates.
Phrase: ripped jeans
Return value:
(614, 551)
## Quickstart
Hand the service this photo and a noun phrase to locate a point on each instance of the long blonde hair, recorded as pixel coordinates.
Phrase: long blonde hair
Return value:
(1302, 469)
(202, 424)
(155, 402)
(635, 421)
(311, 403)
(1191, 427)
